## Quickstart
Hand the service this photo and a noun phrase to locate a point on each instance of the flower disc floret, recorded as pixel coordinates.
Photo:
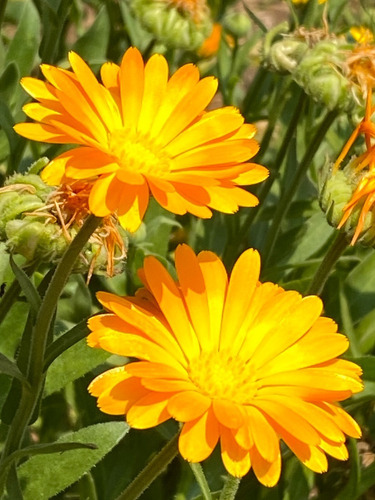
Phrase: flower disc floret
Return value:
(140, 132)
(243, 369)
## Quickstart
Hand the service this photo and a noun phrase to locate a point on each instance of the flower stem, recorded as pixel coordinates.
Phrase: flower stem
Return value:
(338, 246)
(201, 480)
(287, 196)
(152, 470)
(35, 372)
(230, 488)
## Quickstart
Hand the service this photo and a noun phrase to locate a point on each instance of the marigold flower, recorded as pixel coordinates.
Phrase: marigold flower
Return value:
(362, 169)
(140, 132)
(235, 360)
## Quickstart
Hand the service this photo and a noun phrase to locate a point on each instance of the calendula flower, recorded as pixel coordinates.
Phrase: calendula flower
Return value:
(234, 360)
(362, 170)
(140, 132)
(211, 44)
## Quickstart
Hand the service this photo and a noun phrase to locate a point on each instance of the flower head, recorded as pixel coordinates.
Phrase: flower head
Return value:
(360, 173)
(139, 132)
(235, 360)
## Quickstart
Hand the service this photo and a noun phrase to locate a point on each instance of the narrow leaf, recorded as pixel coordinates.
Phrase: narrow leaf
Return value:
(9, 368)
(27, 286)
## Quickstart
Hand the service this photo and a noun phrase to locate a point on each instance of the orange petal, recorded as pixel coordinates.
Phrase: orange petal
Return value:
(268, 473)
(264, 436)
(199, 437)
(155, 84)
(244, 276)
(235, 459)
(194, 293)
(216, 283)
(188, 405)
(229, 414)
(165, 291)
(149, 411)
(131, 78)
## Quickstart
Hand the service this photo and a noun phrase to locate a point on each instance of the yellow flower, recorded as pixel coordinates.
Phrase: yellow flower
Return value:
(235, 360)
(362, 34)
(140, 132)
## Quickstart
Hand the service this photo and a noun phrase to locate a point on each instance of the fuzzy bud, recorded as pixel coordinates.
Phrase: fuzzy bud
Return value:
(172, 26)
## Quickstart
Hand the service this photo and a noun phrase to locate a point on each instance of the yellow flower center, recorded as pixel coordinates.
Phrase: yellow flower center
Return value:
(137, 153)
(221, 376)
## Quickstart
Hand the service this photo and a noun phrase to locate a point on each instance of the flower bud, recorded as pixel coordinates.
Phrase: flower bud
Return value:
(337, 190)
(172, 26)
(237, 24)
(285, 55)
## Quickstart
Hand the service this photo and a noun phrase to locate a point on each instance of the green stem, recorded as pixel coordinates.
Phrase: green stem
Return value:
(287, 197)
(338, 246)
(41, 329)
(201, 480)
(267, 185)
(230, 488)
(152, 470)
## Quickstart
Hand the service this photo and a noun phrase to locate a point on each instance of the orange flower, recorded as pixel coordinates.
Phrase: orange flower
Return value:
(211, 44)
(236, 361)
(140, 132)
(363, 168)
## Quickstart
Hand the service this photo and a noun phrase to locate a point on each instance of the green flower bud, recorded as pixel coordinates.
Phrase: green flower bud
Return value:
(237, 24)
(337, 189)
(35, 240)
(31, 226)
(319, 75)
(285, 55)
(173, 27)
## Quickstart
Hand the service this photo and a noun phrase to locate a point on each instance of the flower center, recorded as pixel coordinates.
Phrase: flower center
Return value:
(137, 153)
(219, 375)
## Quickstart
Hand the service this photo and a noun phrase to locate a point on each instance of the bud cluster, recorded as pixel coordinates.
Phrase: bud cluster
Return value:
(173, 23)
(38, 223)
(318, 66)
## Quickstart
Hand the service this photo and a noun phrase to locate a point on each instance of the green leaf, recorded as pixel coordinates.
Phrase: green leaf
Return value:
(9, 79)
(367, 363)
(72, 364)
(9, 368)
(93, 45)
(24, 47)
(66, 468)
(350, 491)
(65, 341)
(27, 286)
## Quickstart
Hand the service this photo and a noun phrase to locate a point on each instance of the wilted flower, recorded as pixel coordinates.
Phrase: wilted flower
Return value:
(235, 360)
(140, 132)
(39, 221)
